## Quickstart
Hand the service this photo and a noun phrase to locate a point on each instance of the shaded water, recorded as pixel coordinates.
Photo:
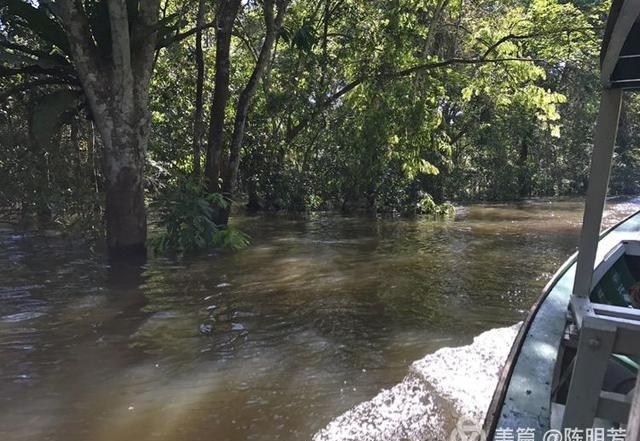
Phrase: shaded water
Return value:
(270, 343)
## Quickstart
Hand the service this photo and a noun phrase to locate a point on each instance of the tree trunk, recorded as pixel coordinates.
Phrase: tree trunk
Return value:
(125, 208)
(40, 185)
(117, 90)
(524, 189)
(325, 43)
(225, 18)
(75, 142)
(198, 123)
(273, 26)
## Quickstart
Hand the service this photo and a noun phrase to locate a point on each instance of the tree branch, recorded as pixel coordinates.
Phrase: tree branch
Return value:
(483, 59)
(242, 34)
(186, 34)
(83, 50)
(295, 130)
(35, 83)
(121, 52)
(24, 49)
(143, 48)
(32, 69)
(511, 37)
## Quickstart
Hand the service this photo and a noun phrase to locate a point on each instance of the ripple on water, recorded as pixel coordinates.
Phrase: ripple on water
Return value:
(318, 315)
(21, 316)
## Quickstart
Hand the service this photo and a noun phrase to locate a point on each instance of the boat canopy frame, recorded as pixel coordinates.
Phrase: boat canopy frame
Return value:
(604, 330)
(620, 70)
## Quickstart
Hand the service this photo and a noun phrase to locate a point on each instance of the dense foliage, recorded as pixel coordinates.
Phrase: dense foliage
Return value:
(382, 105)
(185, 211)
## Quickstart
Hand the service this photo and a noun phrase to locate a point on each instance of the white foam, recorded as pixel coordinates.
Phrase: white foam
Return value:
(440, 388)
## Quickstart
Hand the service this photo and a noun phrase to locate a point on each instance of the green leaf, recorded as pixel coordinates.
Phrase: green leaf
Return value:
(218, 200)
(305, 37)
(231, 238)
(427, 168)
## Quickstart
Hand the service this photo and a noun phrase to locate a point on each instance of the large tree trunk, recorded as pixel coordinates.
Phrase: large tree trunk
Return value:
(273, 25)
(117, 90)
(198, 123)
(125, 208)
(227, 12)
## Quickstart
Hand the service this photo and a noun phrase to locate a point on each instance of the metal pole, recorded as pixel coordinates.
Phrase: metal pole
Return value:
(633, 427)
(603, 143)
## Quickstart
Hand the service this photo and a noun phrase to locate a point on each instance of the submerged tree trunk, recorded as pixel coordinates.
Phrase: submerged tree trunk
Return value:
(125, 209)
(117, 90)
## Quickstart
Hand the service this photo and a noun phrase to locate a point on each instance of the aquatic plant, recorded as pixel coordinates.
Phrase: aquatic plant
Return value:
(186, 212)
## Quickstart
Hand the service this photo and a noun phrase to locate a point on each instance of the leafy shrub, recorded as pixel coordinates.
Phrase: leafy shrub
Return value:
(186, 211)
(427, 206)
(231, 238)
(446, 210)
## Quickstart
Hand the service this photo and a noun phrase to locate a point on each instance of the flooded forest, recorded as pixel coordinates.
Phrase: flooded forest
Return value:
(238, 219)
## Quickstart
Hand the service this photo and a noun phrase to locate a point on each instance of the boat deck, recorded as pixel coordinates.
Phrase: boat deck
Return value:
(524, 391)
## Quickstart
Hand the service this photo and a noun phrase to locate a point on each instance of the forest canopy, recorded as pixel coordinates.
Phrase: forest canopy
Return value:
(110, 109)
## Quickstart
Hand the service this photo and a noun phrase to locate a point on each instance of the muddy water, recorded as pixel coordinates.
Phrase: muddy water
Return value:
(271, 343)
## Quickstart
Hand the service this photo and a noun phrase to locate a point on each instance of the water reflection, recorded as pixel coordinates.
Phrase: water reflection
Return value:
(270, 343)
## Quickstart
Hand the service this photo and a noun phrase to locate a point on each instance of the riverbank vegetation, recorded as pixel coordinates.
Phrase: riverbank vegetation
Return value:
(402, 106)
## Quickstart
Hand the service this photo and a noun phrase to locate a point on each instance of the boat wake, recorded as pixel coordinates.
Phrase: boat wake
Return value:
(440, 389)
(618, 208)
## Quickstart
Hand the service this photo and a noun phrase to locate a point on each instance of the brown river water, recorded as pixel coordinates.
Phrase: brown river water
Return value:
(270, 343)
